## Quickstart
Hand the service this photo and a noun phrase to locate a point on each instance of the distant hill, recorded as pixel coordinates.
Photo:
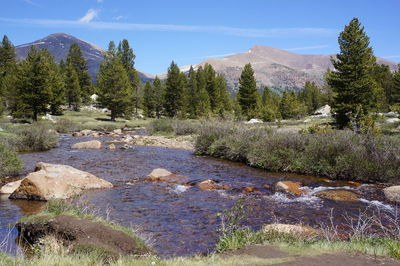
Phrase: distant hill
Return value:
(278, 69)
(58, 45)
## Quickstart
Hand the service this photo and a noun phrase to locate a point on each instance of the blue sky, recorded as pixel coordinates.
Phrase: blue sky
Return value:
(191, 31)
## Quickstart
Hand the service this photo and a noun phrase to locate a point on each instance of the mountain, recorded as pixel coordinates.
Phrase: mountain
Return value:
(58, 45)
(278, 69)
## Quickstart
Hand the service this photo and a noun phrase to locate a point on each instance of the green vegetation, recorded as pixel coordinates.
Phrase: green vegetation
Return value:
(10, 164)
(169, 126)
(36, 137)
(247, 95)
(335, 154)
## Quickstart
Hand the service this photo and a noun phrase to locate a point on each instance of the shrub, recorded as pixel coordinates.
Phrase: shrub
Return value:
(10, 164)
(36, 137)
(332, 153)
(66, 126)
(160, 125)
(185, 127)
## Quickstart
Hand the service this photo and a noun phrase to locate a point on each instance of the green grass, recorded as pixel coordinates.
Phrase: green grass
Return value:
(296, 244)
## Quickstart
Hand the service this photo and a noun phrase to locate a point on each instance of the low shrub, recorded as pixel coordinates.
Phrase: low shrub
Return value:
(35, 137)
(10, 164)
(66, 126)
(185, 127)
(336, 154)
(160, 126)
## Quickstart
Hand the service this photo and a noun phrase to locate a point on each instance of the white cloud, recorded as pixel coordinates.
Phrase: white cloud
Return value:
(32, 3)
(119, 18)
(86, 21)
(89, 16)
(307, 48)
(99, 1)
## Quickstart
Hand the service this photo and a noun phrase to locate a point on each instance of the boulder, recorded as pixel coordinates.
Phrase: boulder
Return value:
(392, 193)
(92, 144)
(117, 131)
(324, 110)
(86, 132)
(250, 189)
(82, 234)
(207, 185)
(111, 146)
(77, 134)
(296, 229)
(338, 195)
(162, 175)
(53, 181)
(393, 120)
(9, 188)
(254, 121)
(289, 187)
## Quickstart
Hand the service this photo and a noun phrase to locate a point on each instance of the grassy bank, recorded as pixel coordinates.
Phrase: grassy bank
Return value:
(331, 153)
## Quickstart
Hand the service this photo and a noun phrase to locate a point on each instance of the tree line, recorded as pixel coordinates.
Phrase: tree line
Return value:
(37, 85)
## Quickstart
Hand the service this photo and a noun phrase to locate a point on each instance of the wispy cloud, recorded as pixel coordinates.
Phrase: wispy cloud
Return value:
(89, 16)
(86, 21)
(100, 1)
(119, 18)
(306, 48)
(32, 3)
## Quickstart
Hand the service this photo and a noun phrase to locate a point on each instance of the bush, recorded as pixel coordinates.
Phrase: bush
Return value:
(36, 137)
(185, 127)
(66, 126)
(160, 126)
(332, 153)
(10, 164)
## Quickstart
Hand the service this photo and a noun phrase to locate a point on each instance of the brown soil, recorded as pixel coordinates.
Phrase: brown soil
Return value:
(328, 259)
(81, 233)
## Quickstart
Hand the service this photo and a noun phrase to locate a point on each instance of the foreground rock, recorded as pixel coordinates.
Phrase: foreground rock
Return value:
(92, 144)
(290, 229)
(338, 195)
(392, 193)
(288, 187)
(79, 234)
(207, 184)
(10, 187)
(162, 175)
(52, 181)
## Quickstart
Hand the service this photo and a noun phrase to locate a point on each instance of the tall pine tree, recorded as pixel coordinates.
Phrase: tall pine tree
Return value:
(115, 91)
(78, 62)
(8, 67)
(352, 80)
(149, 104)
(246, 96)
(72, 88)
(158, 96)
(174, 91)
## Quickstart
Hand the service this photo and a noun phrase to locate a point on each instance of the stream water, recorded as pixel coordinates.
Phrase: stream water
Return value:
(179, 220)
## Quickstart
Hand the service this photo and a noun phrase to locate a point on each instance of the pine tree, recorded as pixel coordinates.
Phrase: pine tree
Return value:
(149, 104)
(224, 101)
(192, 95)
(311, 96)
(115, 91)
(352, 81)
(270, 105)
(385, 79)
(57, 87)
(247, 91)
(290, 107)
(158, 97)
(395, 95)
(76, 59)
(34, 85)
(8, 67)
(174, 91)
(72, 88)
(203, 99)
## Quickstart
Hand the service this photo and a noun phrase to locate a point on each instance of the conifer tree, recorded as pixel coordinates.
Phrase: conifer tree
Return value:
(211, 87)
(270, 105)
(72, 88)
(174, 91)
(114, 87)
(192, 93)
(246, 96)
(352, 81)
(76, 59)
(158, 97)
(224, 102)
(149, 97)
(8, 67)
(57, 87)
(203, 107)
(290, 107)
(311, 97)
(395, 95)
(34, 86)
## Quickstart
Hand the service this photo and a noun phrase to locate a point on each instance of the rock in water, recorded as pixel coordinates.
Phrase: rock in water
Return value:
(338, 195)
(82, 233)
(10, 187)
(392, 193)
(52, 181)
(92, 144)
(162, 175)
(288, 187)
